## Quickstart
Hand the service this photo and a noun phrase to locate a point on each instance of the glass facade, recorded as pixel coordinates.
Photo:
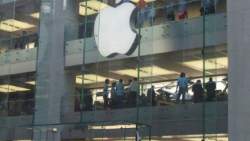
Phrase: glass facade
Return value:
(113, 69)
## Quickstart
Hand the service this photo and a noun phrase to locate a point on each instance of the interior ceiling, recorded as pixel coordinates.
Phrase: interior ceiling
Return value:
(19, 12)
(162, 67)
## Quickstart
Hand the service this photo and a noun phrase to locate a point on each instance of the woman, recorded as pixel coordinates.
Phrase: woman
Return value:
(105, 94)
(113, 96)
(182, 84)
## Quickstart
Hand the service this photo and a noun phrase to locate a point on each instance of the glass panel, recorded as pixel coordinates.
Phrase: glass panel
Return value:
(215, 64)
(6, 42)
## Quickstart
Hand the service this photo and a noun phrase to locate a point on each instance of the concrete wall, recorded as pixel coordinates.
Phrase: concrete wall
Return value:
(239, 66)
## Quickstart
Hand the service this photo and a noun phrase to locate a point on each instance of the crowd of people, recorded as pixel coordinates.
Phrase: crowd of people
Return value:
(119, 97)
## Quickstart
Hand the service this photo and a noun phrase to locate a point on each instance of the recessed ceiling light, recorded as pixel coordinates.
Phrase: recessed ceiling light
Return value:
(93, 7)
(216, 63)
(12, 25)
(145, 71)
(11, 88)
(91, 78)
(35, 15)
(31, 82)
(135, 1)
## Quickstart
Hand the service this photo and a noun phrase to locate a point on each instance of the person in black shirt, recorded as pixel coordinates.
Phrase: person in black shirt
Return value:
(197, 89)
(24, 40)
(171, 16)
(151, 95)
(210, 87)
(207, 9)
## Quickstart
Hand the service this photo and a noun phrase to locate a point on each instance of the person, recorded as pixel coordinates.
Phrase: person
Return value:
(151, 14)
(127, 92)
(197, 89)
(207, 9)
(77, 100)
(225, 89)
(113, 96)
(36, 40)
(30, 107)
(124, 1)
(119, 94)
(183, 14)
(151, 95)
(88, 100)
(171, 16)
(182, 10)
(16, 43)
(182, 84)
(24, 40)
(142, 5)
(210, 87)
(132, 93)
(105, 94)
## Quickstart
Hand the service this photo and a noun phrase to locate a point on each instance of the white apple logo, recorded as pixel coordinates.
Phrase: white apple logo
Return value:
(115, 30)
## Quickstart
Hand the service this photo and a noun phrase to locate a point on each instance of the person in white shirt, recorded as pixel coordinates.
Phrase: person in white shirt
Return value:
(133, 93)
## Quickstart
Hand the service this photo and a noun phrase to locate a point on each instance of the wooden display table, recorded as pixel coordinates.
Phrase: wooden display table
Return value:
(162, 103)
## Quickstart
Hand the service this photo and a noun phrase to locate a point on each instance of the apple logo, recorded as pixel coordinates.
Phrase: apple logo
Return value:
(115, 31)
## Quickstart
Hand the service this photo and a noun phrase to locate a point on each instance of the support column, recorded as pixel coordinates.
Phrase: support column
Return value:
(52, 80)
(239, 66)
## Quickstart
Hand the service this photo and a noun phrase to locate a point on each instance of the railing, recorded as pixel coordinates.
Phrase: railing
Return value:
(91, 107)
(17, 56)
(74, 40)
(17, 108)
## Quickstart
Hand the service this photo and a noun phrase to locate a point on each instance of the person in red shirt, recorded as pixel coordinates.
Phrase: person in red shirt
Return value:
(142, 5)
(183, 14)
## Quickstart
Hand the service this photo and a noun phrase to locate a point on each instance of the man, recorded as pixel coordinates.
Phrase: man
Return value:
(119, 93)
(197, 89)
(132, 93)
(151, 95)
(210, 87)
(142, 5)
(24, 40)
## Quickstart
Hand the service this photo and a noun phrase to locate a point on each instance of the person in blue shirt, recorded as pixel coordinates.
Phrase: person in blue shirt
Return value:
(105, 94)
(124, 1)
(119, 94)
(182, 84)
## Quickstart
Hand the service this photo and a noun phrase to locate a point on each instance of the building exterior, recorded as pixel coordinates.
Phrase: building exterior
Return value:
(56, 57)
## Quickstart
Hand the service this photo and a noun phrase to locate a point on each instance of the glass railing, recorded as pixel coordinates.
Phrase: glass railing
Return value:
(163, 30)
(125, 108)
(17, 108)
(17, 56)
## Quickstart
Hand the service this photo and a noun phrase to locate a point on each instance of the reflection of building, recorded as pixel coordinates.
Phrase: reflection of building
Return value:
(37, 86)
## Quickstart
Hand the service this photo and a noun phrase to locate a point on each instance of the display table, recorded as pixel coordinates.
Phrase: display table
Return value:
(162, 103)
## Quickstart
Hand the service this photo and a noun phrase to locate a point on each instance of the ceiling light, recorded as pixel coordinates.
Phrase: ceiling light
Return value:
(157, 70)
(31, 82)
(145, 72)
(12, 25)
(93, 7)
(113, 127)
(91, 78)
(135, 1)
(216, 63)
(35, 15)
(11, 88)
(132, 73)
